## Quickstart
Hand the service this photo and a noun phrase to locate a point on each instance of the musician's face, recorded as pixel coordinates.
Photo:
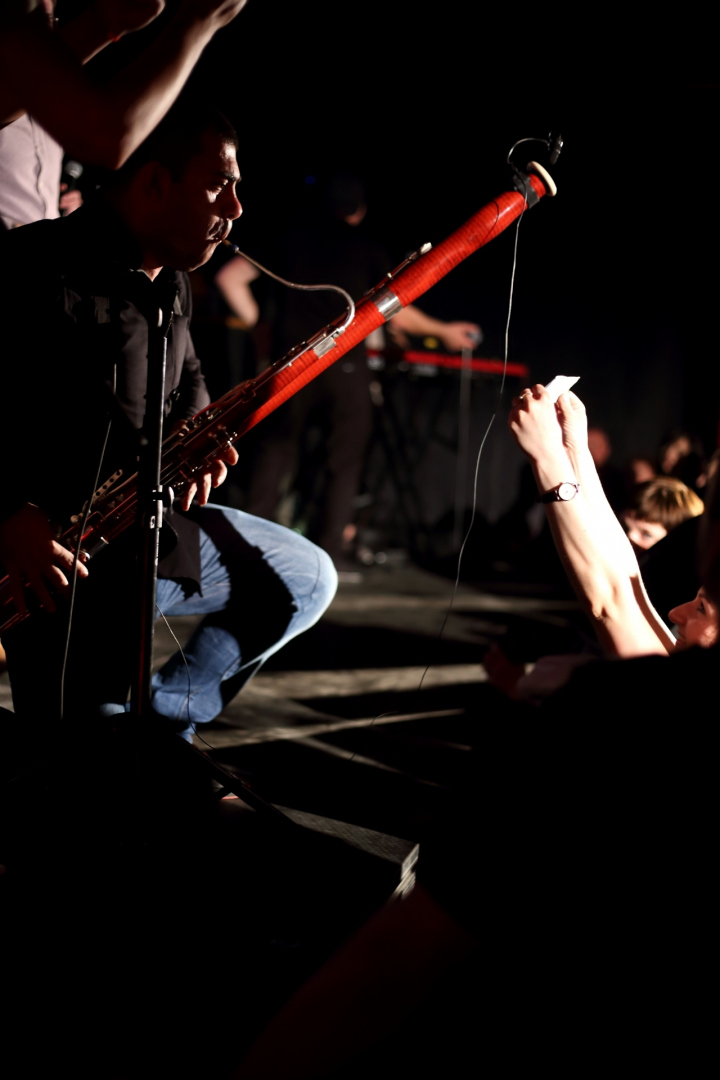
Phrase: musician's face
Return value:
(199, 208)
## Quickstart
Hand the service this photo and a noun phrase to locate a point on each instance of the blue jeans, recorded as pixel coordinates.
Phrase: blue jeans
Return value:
(261, 585)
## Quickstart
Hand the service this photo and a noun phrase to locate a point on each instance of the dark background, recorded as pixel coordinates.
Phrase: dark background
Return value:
(616, 277)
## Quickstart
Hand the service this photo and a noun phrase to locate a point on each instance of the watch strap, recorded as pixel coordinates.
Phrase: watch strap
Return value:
(553, 495)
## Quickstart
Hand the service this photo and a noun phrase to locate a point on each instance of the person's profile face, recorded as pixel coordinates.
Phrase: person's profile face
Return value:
(200, 207)
(643, 534)
(697, 622)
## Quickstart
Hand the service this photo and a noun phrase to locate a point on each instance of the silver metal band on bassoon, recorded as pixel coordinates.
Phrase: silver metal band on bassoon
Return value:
(387, 303)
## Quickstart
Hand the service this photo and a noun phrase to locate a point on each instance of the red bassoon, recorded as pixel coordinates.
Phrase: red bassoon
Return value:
(210, 432)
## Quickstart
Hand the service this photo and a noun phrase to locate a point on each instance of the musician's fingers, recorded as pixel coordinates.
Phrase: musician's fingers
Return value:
(219, 473)
(56, 579)
(65, 558)
(230, 455)
(188, 496)
(40, 589)
(205, 487)
(16, 587)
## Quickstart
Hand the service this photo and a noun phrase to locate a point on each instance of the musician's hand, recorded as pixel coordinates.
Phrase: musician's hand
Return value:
(211, 478)
(30, 554)
(457, 336)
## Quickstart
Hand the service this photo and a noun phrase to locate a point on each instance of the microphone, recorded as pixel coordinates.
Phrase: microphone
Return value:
(71, 173)
(555, 148)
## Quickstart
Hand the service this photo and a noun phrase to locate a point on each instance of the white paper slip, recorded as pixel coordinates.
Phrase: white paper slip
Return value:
(560, 384)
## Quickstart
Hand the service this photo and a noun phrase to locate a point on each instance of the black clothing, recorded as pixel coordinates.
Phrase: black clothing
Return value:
(76, 304)
(220, 335)
(75, 307)
(623, 750)
(339, 402)
(580, 858)
(339, 399)
(669, 568)
(331, 252)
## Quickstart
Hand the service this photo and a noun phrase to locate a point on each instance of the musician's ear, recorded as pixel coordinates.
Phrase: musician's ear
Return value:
(154, 181)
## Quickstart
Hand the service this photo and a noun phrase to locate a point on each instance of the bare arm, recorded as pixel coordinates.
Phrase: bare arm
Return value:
(103, 124)
(105, 21)
(595, 551)
(233, 280)
(455, 335)
(88, 34)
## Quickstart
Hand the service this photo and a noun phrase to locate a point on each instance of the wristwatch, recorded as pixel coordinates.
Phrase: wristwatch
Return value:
(562, 493)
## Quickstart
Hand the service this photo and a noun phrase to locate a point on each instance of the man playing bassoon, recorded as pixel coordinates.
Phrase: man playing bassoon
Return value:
(78, 296)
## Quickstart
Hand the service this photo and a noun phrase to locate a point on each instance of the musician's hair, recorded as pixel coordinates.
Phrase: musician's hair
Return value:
(177, 139)
(665, 501)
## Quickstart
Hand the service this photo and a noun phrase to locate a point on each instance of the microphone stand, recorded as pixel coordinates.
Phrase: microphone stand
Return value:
(151, 502)
(150, 512)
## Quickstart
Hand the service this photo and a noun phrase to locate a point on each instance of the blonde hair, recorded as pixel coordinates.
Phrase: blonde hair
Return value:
(665, 501)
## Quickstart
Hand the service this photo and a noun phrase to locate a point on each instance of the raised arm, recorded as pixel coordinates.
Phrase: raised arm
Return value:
(104, 21)
(102, 124)
(595, 551)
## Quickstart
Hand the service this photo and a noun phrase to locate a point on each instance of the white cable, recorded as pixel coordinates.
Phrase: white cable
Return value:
(482, 444)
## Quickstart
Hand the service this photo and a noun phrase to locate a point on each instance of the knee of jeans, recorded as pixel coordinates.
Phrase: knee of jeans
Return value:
(112, 708)
(326, 585)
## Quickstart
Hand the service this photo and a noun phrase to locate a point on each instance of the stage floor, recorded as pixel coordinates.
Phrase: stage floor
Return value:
(371, 714)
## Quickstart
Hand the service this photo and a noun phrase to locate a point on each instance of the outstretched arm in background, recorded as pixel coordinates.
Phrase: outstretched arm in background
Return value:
(455, 336)
(102, 124)
(591, 542)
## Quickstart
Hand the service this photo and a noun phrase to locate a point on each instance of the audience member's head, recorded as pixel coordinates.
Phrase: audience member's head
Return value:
(641, 469)
(599, 446)
(177, 191)
(698, 620)
(657, 508)
(682, 455)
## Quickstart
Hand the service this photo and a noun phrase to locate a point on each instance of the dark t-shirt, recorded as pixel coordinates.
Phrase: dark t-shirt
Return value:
(75, 304)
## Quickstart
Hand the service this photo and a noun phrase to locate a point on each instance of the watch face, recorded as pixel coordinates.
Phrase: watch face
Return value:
(565, 492)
